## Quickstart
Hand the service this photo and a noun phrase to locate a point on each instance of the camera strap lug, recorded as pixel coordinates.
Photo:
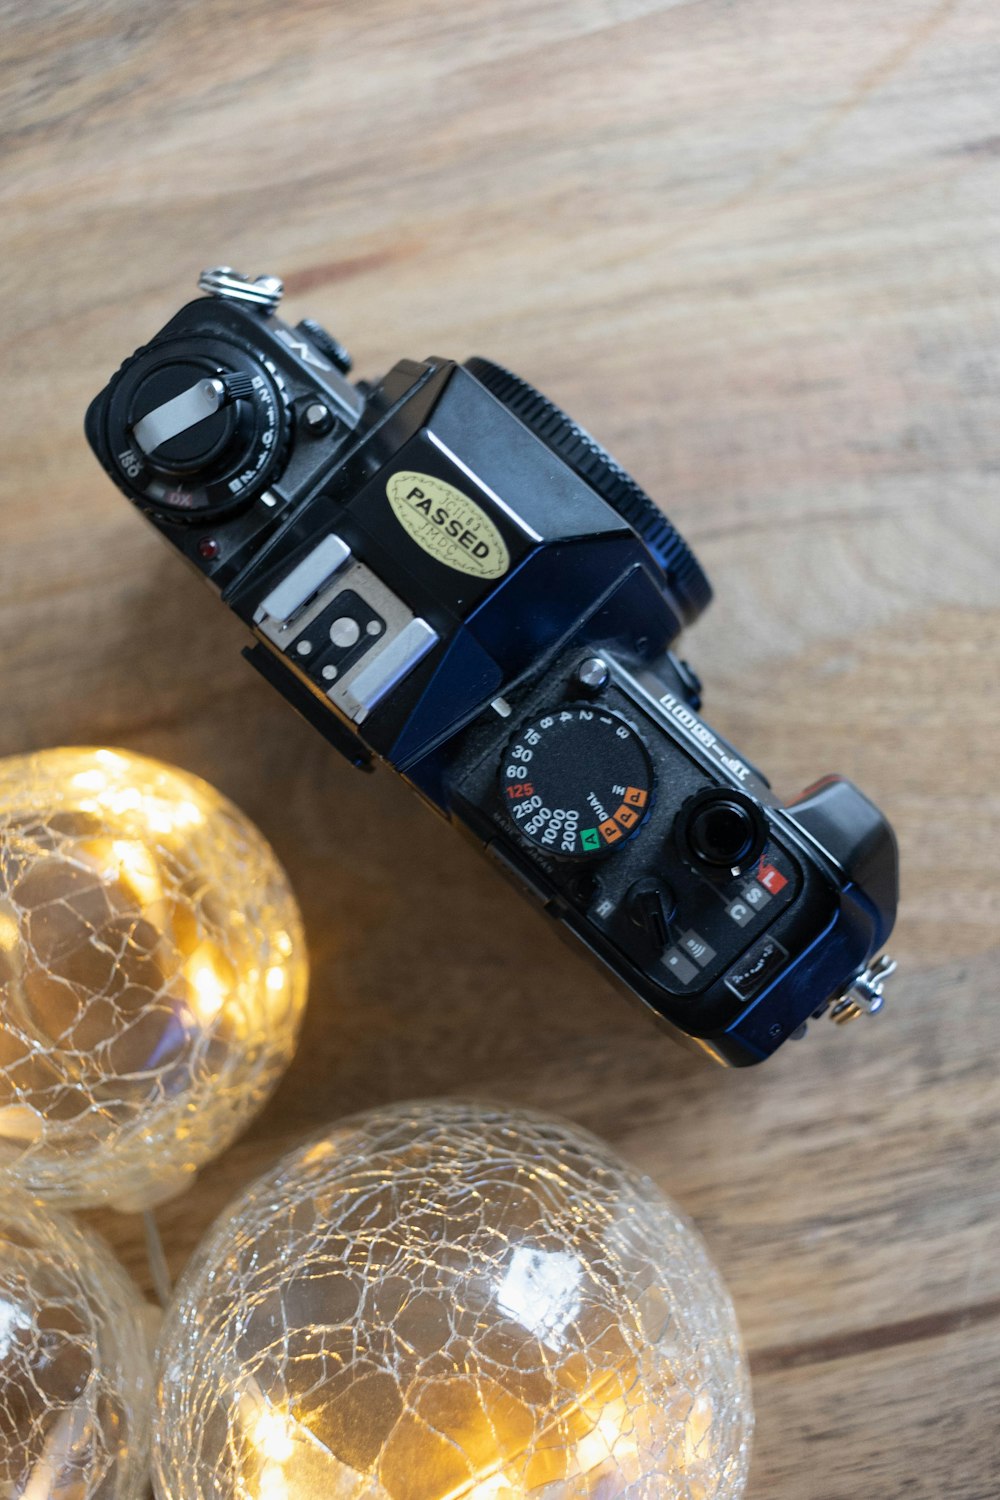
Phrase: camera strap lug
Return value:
(864, 995)
(264, 292)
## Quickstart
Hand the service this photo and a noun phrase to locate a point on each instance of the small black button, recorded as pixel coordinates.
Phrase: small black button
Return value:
(583, 888)
(756, 967)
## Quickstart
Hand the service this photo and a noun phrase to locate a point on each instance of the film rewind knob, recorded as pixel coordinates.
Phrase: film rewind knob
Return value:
(179, 414)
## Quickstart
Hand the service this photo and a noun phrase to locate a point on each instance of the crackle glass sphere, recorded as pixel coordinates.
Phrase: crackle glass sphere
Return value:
(75, 1362)
(452, 1301)
(152, 975)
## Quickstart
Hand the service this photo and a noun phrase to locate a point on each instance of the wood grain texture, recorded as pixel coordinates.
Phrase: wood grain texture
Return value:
(754, 246)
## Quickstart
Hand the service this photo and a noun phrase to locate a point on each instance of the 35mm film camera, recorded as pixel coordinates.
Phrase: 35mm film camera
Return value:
(444, 573)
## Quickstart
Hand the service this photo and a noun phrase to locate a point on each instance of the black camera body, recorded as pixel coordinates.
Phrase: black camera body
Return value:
(444, 573)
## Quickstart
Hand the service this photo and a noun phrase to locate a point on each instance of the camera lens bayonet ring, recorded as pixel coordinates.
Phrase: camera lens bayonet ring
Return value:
(682, 573)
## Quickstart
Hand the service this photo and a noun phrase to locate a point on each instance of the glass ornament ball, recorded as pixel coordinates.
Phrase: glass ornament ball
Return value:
(76, 1379)
(451, 1301)
(152, 975)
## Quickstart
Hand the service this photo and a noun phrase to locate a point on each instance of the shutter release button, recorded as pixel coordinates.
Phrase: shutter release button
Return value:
(722, 830)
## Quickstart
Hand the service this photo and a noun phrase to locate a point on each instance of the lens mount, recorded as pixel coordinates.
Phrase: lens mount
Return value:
(682, 574)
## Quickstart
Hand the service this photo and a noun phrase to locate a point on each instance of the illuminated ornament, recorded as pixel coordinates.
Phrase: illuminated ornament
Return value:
(152, 975)
(448, 1301)
(75, 1363)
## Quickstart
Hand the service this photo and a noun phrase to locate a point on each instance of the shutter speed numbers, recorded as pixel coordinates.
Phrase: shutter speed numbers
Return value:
(577, 782)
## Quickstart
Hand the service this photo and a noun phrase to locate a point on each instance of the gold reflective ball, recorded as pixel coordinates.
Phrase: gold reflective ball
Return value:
(75, 1362)
(152, 975)
(450, 1301)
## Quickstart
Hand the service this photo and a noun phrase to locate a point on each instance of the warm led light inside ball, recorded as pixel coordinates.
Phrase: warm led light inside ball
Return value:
(152, 974)
(451, 1302)
(75, 1369)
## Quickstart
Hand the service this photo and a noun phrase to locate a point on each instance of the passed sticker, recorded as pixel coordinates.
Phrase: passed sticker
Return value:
(450, 527)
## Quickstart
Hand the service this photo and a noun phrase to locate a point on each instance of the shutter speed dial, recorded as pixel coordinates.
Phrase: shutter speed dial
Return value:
(577, 782)
(196, 427)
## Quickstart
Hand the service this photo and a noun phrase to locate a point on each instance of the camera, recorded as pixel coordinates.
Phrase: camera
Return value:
(445, 574)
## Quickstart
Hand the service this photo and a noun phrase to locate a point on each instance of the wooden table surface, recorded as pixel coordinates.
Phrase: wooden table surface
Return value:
(753, 245)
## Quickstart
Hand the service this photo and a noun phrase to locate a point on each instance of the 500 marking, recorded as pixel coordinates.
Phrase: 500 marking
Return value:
(553, 825)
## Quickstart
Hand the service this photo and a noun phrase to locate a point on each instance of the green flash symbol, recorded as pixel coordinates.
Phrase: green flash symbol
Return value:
(590, 838)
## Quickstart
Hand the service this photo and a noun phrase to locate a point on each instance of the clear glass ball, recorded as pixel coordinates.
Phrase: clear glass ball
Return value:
(152, 975)
(75, 1362)
(452, 1301)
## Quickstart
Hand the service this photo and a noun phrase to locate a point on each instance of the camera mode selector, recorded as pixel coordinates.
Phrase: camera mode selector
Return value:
(721, 831)
(650, 905)
(577, 782)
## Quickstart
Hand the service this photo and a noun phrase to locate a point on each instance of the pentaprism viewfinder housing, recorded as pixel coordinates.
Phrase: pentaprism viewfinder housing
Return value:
(445, 574)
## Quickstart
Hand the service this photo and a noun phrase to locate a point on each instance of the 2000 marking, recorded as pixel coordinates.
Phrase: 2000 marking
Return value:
(558, 824)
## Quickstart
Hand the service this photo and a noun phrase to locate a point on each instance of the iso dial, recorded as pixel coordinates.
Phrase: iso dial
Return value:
(577, 782)
(197, 427)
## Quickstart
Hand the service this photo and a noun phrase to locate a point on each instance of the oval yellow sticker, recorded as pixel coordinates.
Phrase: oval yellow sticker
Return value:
(450, 527)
